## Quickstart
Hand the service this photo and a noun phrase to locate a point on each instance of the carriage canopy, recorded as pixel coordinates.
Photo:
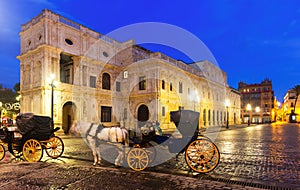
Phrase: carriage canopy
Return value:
(186, 122)
(28, 122)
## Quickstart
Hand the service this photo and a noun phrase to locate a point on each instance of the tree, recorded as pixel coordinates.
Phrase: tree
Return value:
(297, 91)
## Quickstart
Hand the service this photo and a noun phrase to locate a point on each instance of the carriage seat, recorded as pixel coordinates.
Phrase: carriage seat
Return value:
(111, 124)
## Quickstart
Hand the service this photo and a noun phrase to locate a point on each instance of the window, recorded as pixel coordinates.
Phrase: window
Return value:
(180, 87)
(163, 84)
(204, 117)
(213, 116)
(84, 75)
(93, 81)
(163, 110)
(105, 54)
(68, 41)
(208, 117)
(67, 76)
(118, 86)
(106, 81)
(105, 114)
(142, 83)
(171, 87)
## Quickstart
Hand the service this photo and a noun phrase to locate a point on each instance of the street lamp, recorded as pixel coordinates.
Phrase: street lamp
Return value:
(257, 110)
(227, 103)
(52, 84)
(248, 108)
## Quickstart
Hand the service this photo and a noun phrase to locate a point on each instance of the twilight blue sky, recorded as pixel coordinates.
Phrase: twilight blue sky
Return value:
(250, 39)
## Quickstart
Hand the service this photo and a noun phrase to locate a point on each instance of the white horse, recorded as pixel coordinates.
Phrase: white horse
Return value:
(96, 133)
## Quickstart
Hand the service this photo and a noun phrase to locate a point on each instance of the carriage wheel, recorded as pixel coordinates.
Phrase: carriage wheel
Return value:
(151, 151)
(54, 147)
(32, 150)
(137, 159)
(2, 152)
(202, 155)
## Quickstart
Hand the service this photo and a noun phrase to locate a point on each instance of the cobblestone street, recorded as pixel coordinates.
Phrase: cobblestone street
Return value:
(255, 157)
(264, 156)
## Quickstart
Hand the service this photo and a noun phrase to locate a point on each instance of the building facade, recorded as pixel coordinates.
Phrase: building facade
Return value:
(290, 110)
(257, 102)
(102, 80)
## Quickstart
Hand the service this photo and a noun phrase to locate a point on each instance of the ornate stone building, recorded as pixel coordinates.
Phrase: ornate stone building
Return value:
(102, 80)
(257, 102)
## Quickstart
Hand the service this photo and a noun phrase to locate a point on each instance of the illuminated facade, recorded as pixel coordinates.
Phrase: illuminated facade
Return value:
(257, 102)
(289, 106)
(102, 80)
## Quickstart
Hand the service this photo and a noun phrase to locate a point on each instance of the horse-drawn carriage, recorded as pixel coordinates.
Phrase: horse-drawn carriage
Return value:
(32, 135)
(201, 154)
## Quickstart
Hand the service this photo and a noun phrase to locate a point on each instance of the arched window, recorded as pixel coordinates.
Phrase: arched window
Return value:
(106, 81)
(220, 117)
(213, 117)
(208, 117)
(163, 84)
(204, 117)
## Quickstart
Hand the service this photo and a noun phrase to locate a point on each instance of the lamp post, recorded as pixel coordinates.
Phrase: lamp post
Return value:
(257, 110)
(52, 84)
(227, 103)
(248, 108)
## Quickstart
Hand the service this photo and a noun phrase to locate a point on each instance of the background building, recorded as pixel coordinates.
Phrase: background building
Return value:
(102, 80)
(289, 106)
(257, 102)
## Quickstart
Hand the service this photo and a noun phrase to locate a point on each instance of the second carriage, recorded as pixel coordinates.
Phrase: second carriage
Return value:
(200, 153)
(30, 137)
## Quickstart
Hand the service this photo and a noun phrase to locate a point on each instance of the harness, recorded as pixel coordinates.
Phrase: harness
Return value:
(116, 131)
(99, 128)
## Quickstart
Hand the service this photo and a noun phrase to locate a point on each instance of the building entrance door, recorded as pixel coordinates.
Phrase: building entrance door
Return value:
(68, 116)
(143, 115)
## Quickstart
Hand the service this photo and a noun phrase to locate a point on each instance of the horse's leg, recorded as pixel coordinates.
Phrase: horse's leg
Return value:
(92, 144)
(98, 153)
(119, 159)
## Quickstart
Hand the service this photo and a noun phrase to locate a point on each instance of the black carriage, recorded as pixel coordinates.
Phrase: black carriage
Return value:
(30, 137)
(201, 154)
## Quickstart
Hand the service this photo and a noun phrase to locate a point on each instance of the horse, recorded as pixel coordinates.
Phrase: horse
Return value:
(94, 134)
